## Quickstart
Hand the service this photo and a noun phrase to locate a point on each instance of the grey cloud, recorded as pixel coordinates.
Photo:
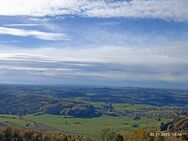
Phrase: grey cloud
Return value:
(97, 70)
(109, 64)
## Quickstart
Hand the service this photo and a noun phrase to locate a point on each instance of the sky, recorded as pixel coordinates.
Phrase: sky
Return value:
(138, 43)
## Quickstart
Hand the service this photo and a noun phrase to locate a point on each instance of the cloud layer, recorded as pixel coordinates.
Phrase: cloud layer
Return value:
(164, 9)
(108, 63)
(33, 33)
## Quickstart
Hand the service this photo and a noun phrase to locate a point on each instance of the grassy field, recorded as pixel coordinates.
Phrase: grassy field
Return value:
(92, 125)
(121, 107)
(89, 126)
(12, 120)
(85, 125)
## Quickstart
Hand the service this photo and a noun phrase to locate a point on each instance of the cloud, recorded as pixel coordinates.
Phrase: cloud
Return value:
(164, 9)
(33, 33)
(21, 25)
(108, 63)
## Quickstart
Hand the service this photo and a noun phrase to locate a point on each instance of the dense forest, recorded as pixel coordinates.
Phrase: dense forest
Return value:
(29, 104)
(13, 134)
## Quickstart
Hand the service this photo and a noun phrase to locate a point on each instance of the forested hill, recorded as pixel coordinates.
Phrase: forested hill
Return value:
(157, 97)
(31, 104)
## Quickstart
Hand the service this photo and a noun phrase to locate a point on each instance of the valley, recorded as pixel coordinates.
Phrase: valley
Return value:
(90, 111)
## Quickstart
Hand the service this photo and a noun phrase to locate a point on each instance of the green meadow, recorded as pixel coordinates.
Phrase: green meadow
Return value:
(81, 125)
